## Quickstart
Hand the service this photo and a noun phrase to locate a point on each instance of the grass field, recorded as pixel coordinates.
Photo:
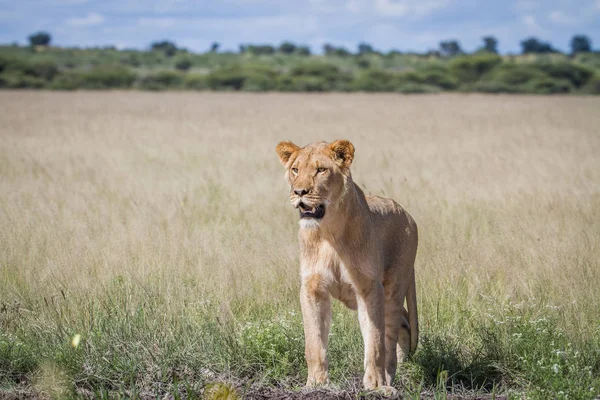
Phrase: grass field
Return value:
(157, 227)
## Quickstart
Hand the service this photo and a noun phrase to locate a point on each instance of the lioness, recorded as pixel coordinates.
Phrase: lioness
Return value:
(360, 250)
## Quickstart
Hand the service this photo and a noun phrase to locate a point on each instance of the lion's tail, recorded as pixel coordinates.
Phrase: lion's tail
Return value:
(413, 319)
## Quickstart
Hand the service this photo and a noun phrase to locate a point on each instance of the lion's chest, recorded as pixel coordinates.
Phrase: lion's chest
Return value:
(326, 263)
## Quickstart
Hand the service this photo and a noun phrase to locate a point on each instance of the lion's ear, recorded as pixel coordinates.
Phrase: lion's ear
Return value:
(343, 152)
(285, 151)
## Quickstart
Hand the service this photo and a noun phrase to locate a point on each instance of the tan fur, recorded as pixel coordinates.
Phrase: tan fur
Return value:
(361, 252)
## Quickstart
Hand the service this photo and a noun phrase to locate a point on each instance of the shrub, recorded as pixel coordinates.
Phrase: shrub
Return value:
(576, 74)
(258, 82)
(303, 51)
(183, 64)
(376, 80)
(195, 82)
(66, 81)
(593, 85)
(43, 69)
(490, 87)
(167, 47)
(19, 80)
(287, 48)
(472, 68)
(303, 84)
(226, 78)
(363, 62)
(331, 75)
(417, 88)
(327, 71)
(107, 77)
(515, 74)
(161, 80)
(132, 59)
(432, 76)
(260, 49)
(253, 77)
(549, 86)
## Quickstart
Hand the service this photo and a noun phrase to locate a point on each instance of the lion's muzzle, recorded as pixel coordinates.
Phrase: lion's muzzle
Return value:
(307, 211)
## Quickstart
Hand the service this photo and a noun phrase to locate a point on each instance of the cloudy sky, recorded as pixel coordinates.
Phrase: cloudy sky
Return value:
(401, 24)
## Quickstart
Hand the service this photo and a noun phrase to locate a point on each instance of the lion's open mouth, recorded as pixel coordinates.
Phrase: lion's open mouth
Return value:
(311, 212)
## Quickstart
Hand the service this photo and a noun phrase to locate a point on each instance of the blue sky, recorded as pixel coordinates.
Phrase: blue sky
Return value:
(402, 24)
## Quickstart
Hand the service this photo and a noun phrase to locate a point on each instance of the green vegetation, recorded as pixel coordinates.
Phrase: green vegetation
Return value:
(290, 67)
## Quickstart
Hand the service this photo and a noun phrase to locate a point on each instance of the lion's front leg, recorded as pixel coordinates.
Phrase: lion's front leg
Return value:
(316, 314)
(370, 298)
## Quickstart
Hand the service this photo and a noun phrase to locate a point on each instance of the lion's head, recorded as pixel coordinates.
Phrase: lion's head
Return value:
(318, 175)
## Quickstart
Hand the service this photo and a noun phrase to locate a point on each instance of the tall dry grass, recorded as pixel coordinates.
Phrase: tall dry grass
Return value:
(167, 214)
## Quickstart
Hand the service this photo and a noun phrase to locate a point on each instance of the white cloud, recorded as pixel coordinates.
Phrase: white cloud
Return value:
(289, 23)
(158, 22)
(560, 18)
(531, 23)
(91, 19)
(423, 8)
(391, 8)
(401, 8)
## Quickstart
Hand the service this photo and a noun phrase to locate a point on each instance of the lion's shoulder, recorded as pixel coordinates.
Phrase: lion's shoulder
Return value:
(383, 205)
(388, 213)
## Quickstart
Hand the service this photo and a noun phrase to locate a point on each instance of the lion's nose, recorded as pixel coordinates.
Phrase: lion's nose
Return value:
(300, 192)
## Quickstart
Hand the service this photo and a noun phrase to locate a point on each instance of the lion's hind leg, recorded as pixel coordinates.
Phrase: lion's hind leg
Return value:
(395, 331)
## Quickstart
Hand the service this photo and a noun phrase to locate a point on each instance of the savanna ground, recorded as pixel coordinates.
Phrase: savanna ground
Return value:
(157, 227)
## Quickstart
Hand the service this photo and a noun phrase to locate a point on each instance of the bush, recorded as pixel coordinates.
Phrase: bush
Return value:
(195, 82)
(490, 87)
(247, 77)
(66, 81)
(132, 60)
(515, 74)
(167, 47)
(576, 74)
(303, 84)
(330, 75)
(257, 82)
(432, 76)
(161, 80)
(19, 80)
(287, 48)
(43, 69)
(183, 64)
(408, 88)
(593, 85)
(471, 68)
(226, 78)
(549, 86)
(363, 62)
(376, 80)
(107, 77)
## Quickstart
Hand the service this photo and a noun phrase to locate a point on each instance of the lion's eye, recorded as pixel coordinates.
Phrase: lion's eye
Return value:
(320, 170)
(295, 171)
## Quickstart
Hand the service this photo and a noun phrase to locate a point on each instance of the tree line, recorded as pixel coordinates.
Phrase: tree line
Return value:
(531, 45)
(289, 67)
